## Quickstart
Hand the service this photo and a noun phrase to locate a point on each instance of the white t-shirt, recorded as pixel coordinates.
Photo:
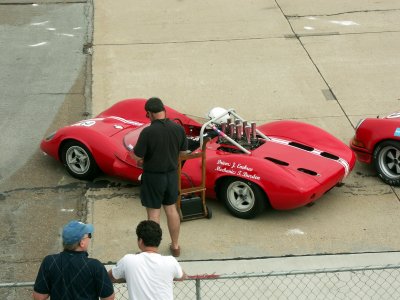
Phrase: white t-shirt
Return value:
(148, 275)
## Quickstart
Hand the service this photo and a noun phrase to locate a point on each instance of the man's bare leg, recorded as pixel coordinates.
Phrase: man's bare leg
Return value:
(174, 222)
(153, 214)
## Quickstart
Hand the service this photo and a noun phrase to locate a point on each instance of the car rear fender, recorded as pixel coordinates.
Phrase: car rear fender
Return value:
(374, 131)
(102, 154)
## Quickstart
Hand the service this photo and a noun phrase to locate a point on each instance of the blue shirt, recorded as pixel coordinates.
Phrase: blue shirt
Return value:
(72, 275)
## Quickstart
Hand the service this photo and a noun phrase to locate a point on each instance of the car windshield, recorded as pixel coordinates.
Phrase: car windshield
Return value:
(130, 139)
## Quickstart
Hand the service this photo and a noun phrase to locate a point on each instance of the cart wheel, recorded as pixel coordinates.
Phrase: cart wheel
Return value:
(209, 212)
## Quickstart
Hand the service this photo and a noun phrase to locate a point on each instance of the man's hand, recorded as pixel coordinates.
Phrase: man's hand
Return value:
(38, 296)
(113, 280)
(139, 160)
(184, 277)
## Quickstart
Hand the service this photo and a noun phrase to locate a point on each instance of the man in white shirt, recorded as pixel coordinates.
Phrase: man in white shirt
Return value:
(148, 274)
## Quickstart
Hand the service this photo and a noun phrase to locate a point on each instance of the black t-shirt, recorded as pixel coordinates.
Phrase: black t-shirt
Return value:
(72, 275)
(159, 145)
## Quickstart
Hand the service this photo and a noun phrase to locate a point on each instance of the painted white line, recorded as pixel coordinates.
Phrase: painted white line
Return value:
(51, 28)
(295, 231)
(67, 34)
(67, 209)
(38, 44)
(39, 23)
(345, 23)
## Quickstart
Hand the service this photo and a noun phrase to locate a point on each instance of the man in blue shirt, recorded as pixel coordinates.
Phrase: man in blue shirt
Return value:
(71, 274)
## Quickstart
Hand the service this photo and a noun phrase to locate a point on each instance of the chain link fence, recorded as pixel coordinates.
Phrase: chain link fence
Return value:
(375, 282)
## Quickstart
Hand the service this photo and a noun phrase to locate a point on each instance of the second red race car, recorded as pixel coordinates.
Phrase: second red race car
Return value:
(282, 164)
(377, 141)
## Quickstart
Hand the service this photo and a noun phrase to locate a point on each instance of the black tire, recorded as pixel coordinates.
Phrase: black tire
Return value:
(78, 161)
(209, 213)
(244, 199)
(387, 162)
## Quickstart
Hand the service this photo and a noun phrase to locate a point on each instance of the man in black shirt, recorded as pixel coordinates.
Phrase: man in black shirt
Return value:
(71, 275)
(157, 150)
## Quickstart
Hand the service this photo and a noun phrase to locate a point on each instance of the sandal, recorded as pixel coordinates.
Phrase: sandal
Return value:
(175, 252)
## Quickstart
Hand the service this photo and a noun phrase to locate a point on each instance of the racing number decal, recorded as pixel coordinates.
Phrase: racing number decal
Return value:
(86, 123)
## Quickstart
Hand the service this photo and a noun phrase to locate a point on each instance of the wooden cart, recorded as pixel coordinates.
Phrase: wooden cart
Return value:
(190, 205)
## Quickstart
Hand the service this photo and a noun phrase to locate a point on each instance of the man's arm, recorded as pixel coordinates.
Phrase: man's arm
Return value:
(110, 274)
(184, 277)
(37, 296)
(138, 159)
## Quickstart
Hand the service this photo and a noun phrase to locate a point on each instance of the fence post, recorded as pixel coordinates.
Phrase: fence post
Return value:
(198, 296)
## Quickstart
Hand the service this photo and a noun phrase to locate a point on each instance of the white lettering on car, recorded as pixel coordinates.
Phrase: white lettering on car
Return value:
(237, 169)
(394, 115)
(130, 122)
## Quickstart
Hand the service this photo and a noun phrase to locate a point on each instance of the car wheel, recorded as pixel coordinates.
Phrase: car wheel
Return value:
(244, 199)
(387, 162)
(78, 161)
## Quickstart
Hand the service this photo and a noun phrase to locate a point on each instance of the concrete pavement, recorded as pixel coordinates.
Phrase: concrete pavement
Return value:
(328, 64)
(42, 87)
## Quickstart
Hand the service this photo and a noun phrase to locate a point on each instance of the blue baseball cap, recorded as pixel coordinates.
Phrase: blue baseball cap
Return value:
(74, 231)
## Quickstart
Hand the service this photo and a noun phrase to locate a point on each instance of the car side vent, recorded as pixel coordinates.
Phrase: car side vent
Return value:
(277, 161)
(301, 146)
(330, 156)
(309, 172)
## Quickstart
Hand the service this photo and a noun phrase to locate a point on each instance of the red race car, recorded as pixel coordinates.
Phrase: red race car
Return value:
(283, 164)
(377, 141)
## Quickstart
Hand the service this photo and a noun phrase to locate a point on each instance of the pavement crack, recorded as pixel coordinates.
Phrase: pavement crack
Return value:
(193, 41)
(124, 195)
(70, 186)
(395, 192)
(305, 35)
(341, 13)
(58, 94)
(329, 89)
(94, 185)
(21, 261)
(32, 3)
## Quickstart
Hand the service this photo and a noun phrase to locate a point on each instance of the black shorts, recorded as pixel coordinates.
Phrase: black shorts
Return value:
(159, 189)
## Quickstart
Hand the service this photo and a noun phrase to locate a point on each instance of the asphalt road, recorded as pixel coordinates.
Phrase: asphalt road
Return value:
(45, 83)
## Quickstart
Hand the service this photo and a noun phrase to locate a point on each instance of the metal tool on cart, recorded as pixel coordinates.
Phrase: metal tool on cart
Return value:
(190, 204)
